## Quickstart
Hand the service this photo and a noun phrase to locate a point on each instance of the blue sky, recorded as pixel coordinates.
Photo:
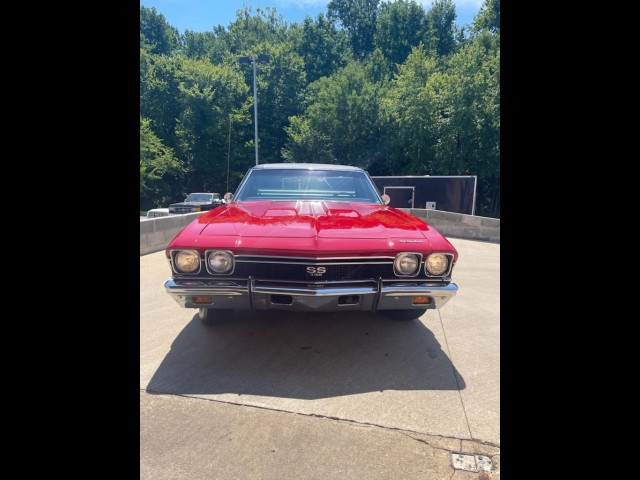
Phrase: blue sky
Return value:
(203, 15)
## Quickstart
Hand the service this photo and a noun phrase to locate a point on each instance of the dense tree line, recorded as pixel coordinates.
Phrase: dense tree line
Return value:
(386, 86)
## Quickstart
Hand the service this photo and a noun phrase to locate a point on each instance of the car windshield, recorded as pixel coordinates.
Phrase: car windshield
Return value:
(199, 197)
(298, 184)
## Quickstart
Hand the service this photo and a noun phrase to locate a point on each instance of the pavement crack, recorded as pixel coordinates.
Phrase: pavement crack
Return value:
(425, 442)
(328, 417)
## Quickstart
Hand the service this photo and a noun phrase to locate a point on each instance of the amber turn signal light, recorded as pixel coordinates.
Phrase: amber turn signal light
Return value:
(201, 300)
(421, 300)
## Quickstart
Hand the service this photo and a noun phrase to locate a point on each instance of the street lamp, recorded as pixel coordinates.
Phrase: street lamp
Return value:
(246, 60)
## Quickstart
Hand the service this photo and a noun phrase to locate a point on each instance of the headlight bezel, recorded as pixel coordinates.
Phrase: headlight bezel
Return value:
(447, 270)
(398, 273)
(210, 270)
(174, 262)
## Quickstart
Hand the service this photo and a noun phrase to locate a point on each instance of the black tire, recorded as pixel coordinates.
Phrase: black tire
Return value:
(405, 315)
(215, 316)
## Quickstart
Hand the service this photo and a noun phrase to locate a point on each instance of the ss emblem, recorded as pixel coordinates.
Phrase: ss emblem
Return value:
(316, 271)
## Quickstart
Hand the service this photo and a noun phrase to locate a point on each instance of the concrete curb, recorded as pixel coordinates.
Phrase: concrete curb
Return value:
(156, 233)
(459, 225)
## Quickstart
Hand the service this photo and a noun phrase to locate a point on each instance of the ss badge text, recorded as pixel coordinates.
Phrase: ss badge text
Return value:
(316, 271)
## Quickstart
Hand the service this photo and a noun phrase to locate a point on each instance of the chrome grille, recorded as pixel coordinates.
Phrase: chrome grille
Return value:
(183, 209)
(316, 270)
(319, 272)
(294, 269)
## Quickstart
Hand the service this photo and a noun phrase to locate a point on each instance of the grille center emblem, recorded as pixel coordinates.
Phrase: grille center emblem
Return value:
(316, 271)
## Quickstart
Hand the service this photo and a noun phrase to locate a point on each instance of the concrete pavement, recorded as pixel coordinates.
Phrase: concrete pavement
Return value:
(320, 385)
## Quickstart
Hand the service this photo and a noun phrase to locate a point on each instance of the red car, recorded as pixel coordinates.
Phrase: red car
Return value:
(309, 237)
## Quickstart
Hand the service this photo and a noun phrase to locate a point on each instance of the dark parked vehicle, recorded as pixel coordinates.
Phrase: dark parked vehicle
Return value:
(197, 202)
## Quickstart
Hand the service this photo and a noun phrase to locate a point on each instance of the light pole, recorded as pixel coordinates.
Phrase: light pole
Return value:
(246, 60)
(228, 154)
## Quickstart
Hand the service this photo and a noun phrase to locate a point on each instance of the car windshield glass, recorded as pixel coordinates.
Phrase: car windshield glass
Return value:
(199, 197)
(297, 184)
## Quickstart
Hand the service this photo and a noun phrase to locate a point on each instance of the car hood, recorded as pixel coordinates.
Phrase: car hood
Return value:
(309, 219)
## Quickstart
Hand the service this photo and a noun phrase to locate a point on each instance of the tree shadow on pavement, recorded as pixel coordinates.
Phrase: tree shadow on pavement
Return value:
(305, 356)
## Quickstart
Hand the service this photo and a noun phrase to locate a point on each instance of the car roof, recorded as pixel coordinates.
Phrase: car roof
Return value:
(306, 166)
(203, 193)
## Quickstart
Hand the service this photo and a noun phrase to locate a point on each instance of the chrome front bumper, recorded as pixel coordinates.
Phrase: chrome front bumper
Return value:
(260, 295)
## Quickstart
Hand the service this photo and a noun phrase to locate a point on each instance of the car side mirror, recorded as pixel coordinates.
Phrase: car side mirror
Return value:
(386, 199)
(228, 196)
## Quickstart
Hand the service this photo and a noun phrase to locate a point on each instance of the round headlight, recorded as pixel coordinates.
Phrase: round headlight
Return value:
(220, 262)
(406, 264)
(187, 261)
(436, 264)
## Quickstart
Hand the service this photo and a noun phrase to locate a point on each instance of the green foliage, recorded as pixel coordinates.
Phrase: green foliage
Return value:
(341, 119)
(159, 90)
(208, 96)
(489, 17)
(400, 26)
(204, 45)
(323, 47)
(158, 169)
(386, 86)
(304, 142)
(358, 18)
(448, 122)
(408, 108)
(248, 30)
(156, 34)
(441, 25)
(281, 93)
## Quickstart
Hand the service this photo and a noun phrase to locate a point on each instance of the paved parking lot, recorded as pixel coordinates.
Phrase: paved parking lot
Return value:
(349, 395)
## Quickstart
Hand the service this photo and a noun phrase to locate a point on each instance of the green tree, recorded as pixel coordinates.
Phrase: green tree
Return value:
(209, 95)
(489, 17)
(323, 47)
(468, 129)
(400, 26)
(247, 30)
(158, 169)
(205, 45)
(408, 109)
(441, 23)
(281, 91)
(340, 125)
(303, 142)
(448, 121)
(159, 93)
(156, 34)
(358, 18)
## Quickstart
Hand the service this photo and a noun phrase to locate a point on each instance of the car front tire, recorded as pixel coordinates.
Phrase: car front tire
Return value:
(405, 315)
(215, 316)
